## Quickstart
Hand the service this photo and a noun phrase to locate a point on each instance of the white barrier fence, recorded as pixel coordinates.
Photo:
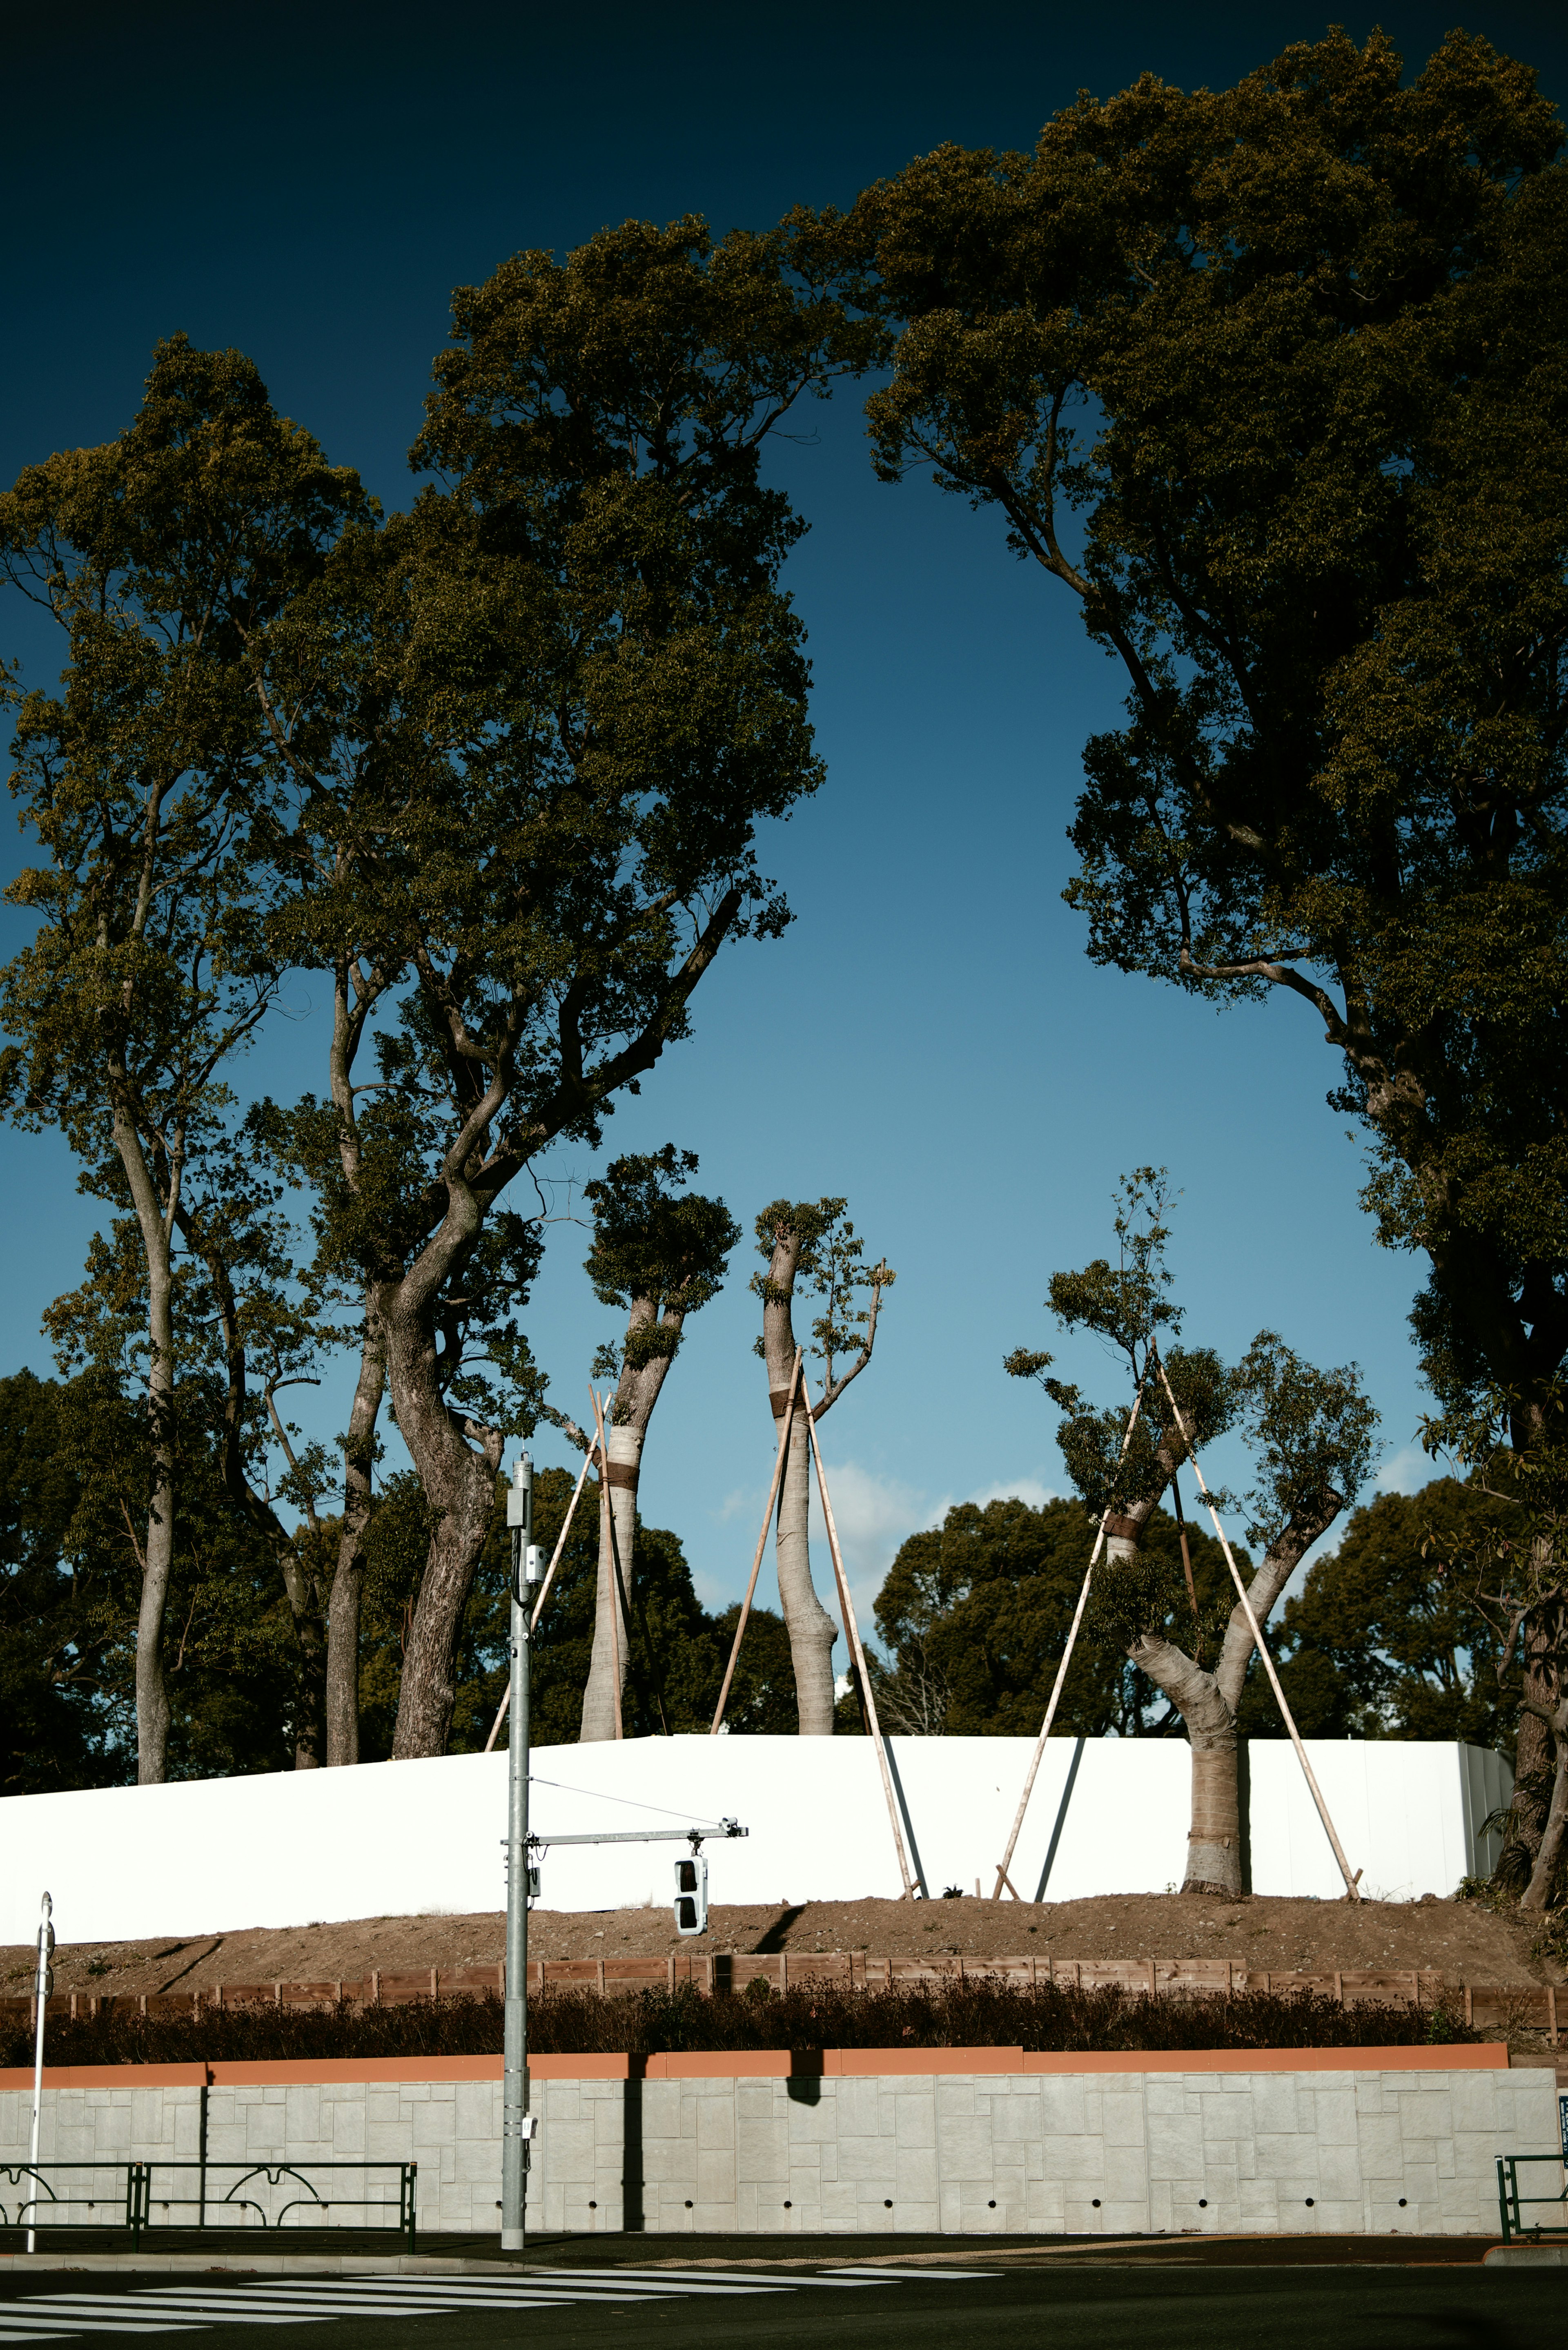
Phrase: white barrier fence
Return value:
(215, 1855)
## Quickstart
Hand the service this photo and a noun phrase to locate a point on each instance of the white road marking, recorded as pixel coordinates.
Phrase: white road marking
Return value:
(910, 2276)
(671, 2281)
(181, 2309)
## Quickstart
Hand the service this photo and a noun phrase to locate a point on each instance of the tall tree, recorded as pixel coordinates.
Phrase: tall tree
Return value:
(1311, 1436)
(569, 692)
(812, 1242)
(150, 968)
(660, 1253)
(1271, 381)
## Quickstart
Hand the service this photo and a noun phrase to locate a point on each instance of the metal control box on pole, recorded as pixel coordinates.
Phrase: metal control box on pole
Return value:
(517, 2121)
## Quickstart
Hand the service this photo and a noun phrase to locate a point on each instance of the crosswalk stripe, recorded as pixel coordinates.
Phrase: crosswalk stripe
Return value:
(911, 2276)
(663, 2281)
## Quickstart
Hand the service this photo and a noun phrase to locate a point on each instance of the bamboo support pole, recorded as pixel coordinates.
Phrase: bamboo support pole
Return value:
(545, 1587)
(852, 1633)
(615, 1600)
(786, 1423)
(1352, 1884)
(1005, 1863)
(1186, 1554)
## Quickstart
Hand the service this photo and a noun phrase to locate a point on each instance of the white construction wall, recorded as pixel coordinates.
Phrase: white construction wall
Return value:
(215, 1855)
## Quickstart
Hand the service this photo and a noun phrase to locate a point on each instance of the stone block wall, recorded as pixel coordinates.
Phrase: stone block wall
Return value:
(1117, 2153)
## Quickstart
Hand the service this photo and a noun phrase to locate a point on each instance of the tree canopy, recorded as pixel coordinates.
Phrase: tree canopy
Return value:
(1271, 381)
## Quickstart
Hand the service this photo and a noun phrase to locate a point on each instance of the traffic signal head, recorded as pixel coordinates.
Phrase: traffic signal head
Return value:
(691, 1894)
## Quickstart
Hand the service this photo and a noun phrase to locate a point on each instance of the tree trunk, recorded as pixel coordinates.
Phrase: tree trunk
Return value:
(812, 1631)
(459, 1488)
(305, 1606)
(1208, 1702)
(152, 1709)
(652, 1340)
(608, 1668)
(1533, 1782)
(342, 1696)
(1537, 1894)
(1214, 1832)
(158, 1555)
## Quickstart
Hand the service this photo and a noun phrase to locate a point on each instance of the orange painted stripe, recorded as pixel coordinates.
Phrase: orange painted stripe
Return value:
(763, 2064)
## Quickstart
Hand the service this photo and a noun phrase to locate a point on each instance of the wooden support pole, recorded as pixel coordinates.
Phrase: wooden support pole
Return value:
(852, 1633)
(1005, 1863)
(545, 1587)
(785, 1424)
(1186, 1554)
(1352, 1884)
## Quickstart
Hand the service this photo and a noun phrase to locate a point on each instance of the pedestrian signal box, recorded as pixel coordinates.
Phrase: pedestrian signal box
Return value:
(691, 1894)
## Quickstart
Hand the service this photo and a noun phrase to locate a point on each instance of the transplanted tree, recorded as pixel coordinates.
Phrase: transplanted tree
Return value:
(1311, 1435)
(534, 726)
(660, 1253)
(1271, 381)
(150, 968)
(812, 1242)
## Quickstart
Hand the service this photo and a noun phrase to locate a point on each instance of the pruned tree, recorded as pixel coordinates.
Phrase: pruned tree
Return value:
(661, 1253)
(150, 967)
(1311, 1435)
(812, 1242)
(1269, 382)
(533, 729)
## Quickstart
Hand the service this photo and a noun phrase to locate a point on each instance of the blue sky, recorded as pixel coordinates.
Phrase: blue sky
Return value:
(929, 1038)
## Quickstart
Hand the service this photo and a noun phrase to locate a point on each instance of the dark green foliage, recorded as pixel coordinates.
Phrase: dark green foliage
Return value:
(50, 1734)
(1271, 381)
(979, 2012)
(73, 1489)
(762, 1697)
(677, 1650)
(656, 1245)
(974, 1617)
(1384, 1642)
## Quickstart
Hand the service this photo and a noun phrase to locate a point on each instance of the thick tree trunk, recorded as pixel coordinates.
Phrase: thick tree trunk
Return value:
(305, 1606)
(1540, 1645)
(812, 1631)
(342, 1700)
(152, 1709)
(651, 1343)
(459, 1488)
(607, 1668)
(1543, 1883)
(1208, 1702)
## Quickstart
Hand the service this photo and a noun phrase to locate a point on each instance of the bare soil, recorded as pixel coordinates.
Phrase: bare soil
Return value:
(1469, 1943)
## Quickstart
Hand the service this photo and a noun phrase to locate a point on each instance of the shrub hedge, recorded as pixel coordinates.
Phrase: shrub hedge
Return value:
(979, 2011)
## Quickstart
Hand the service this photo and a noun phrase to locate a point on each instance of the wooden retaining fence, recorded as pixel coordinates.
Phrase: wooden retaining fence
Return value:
(1517, 2007)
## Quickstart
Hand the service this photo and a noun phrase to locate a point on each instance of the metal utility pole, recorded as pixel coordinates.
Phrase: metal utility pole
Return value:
(517, 2121)
(43, 1983)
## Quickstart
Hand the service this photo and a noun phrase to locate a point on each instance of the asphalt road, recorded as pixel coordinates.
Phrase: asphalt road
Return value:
(1167, 2300)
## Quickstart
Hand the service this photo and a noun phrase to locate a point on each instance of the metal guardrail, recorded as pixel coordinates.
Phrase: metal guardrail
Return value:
(141, 2205)
(1511, 2205)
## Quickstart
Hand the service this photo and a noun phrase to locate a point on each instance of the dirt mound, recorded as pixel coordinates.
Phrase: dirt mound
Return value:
(1467, 1942)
